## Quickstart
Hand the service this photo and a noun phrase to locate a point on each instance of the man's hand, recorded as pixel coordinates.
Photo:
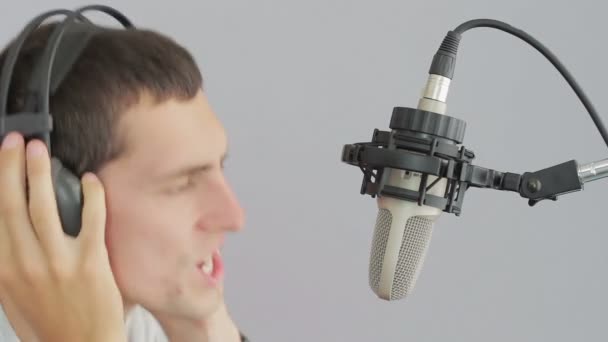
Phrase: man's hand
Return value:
(53, 287)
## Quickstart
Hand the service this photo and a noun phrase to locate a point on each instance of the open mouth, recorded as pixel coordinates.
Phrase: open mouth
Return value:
(212, 268)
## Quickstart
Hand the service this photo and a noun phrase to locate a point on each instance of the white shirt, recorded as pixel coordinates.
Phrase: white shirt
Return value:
(141, 327)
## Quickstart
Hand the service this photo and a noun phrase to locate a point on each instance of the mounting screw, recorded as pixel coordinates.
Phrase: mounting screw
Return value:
(534, 185)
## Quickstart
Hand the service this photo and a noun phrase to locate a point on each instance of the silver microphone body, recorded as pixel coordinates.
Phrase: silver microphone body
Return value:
(403, 228)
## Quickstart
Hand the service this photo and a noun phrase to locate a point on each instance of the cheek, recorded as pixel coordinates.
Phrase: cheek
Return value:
(147, 251)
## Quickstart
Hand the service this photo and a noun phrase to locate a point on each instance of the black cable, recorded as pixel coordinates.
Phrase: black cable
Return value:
(545, 52)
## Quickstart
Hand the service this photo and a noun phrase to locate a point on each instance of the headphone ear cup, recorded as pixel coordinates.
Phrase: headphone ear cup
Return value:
(68, 193)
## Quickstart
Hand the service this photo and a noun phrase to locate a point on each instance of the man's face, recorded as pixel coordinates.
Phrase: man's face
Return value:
(169, 207)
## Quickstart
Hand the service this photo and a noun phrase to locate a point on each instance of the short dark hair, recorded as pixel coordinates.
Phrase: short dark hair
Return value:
(113, 71)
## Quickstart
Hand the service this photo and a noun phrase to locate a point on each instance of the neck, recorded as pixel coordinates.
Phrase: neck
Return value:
(127, 307)
(218, 327)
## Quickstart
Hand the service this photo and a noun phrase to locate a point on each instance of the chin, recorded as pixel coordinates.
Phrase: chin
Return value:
(195, 306)
(187, 299)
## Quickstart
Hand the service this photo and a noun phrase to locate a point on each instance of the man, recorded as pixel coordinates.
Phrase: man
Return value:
(132, 119)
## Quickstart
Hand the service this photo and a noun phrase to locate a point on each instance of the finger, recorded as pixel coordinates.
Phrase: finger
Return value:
(15, 232)
(42, 202)
(5, 246)
(93, 212)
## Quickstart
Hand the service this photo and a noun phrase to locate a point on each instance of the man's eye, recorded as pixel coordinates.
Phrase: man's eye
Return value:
(184, 185)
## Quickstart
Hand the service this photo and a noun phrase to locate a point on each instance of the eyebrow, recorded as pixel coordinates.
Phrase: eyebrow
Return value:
(190, 170)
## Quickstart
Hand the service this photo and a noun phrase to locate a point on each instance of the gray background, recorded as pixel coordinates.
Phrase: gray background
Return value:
(295, 80)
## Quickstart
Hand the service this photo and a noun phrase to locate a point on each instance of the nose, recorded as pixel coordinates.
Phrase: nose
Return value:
(222, 209)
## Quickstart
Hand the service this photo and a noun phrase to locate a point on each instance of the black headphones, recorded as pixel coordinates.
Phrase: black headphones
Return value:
(63, 48)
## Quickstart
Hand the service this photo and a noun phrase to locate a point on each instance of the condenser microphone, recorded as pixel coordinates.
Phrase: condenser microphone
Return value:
(419, 169)
(403, 229)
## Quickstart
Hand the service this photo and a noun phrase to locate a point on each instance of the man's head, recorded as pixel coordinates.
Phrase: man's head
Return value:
(132, 109)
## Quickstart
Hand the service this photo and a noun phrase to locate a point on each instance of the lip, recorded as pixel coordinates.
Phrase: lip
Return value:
(217, 275)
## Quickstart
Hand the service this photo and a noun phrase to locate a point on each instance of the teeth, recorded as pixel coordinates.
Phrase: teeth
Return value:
(208, 266)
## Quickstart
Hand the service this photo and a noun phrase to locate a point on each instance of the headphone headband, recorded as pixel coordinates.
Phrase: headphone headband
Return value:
(72, 34)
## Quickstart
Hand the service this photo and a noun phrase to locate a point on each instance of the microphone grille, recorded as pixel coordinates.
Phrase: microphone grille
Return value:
(381, 232)
(414, 244)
